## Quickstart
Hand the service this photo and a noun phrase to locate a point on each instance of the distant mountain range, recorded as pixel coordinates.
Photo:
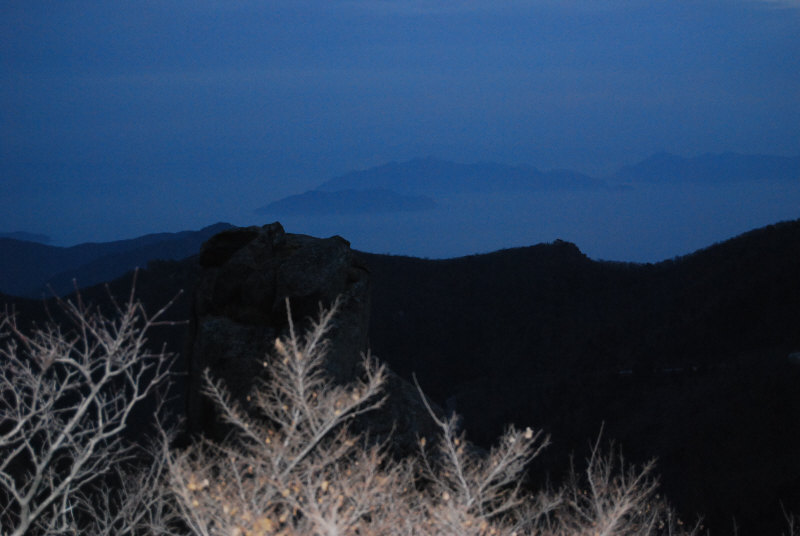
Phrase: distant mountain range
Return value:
(31, 268)
(430, 176)
(417, 184)
(28, 237)
(35, 270)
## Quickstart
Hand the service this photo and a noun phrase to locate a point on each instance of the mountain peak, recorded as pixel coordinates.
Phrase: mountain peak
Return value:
(431, 175)
(27, 237)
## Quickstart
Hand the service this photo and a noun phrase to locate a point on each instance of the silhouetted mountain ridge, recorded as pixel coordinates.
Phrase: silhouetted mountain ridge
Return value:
(27, 237)
(419, 183)
(430, 176)
(33, 270)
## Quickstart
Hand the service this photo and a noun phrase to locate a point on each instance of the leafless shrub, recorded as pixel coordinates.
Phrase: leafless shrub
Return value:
(291, 466)
(65, 399)
(468, 493)
(298, 469)
(138, 504)
(791, 523)
(613, 498)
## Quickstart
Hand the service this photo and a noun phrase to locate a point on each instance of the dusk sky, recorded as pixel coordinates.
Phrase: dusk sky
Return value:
(120, 118)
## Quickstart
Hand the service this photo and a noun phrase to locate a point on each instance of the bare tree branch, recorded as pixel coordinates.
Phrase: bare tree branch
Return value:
(65, 399)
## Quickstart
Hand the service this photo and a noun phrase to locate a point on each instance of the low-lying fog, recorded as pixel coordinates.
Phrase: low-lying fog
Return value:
(647, 223)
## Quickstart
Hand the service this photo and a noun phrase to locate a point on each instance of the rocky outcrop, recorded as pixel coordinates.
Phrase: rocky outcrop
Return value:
(239, 309)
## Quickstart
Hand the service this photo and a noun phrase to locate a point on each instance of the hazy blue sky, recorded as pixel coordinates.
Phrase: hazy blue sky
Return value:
(124, 117)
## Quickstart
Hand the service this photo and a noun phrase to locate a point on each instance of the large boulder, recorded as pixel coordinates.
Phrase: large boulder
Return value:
(239, 309)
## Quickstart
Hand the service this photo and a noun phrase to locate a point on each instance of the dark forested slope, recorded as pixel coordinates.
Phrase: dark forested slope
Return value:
(34, 270)
(684, 360)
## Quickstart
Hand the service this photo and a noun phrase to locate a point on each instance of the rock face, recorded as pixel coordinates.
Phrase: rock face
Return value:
(239, 308)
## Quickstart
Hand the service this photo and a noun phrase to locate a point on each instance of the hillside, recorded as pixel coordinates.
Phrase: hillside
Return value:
(34, 270)
(683, 360)
(28, 237)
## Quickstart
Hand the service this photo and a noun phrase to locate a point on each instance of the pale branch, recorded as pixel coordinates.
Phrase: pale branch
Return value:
(66, 399)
